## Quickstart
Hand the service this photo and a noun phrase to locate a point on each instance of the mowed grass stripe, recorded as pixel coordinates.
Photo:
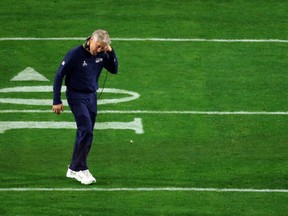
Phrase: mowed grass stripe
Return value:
(159, 112)
(149, 189)
(150, 39)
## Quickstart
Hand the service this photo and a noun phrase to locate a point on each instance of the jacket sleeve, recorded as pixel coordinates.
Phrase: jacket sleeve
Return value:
(58, 79)
(111, 63)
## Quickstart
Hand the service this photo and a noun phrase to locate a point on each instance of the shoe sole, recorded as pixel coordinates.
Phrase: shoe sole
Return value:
(88, 183)
(85, 183)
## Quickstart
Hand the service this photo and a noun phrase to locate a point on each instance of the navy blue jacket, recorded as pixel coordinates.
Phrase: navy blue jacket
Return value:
(82, 71)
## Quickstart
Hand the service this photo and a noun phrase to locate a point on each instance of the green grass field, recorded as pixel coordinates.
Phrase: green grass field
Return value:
(188, 142)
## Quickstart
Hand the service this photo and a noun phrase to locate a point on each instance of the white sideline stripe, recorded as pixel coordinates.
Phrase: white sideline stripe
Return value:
(239, 190)
(150, 39)
(157, 112)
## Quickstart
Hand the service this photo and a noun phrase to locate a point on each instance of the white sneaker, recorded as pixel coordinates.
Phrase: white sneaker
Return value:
(85, 177)
(71, 173)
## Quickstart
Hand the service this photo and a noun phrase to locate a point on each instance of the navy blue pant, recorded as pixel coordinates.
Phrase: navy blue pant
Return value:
(85, 112)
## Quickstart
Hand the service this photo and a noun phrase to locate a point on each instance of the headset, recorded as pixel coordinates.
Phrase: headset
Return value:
(85, 45)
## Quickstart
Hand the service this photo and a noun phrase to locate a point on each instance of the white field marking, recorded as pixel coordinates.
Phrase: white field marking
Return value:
(192, 112)
(150, 39)
(236, 190)
(47, 102)
(157, 112)
(29, 74)
(135, 125)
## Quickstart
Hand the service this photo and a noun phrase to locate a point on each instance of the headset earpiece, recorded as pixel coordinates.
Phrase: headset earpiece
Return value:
(86, 46)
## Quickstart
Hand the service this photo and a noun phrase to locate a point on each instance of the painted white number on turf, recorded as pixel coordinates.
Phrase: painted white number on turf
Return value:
(29, 74)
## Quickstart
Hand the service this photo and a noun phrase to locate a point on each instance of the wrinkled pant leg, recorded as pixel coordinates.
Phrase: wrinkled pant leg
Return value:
(84, 113)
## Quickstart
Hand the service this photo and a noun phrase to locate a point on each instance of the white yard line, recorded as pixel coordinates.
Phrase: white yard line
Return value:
(150, 39)
(160, 112)
(237, 190)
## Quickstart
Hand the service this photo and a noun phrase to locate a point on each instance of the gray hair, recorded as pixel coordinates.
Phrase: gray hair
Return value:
(102, 36)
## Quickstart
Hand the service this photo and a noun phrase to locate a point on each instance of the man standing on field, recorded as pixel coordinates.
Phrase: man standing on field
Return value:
(81, 68)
